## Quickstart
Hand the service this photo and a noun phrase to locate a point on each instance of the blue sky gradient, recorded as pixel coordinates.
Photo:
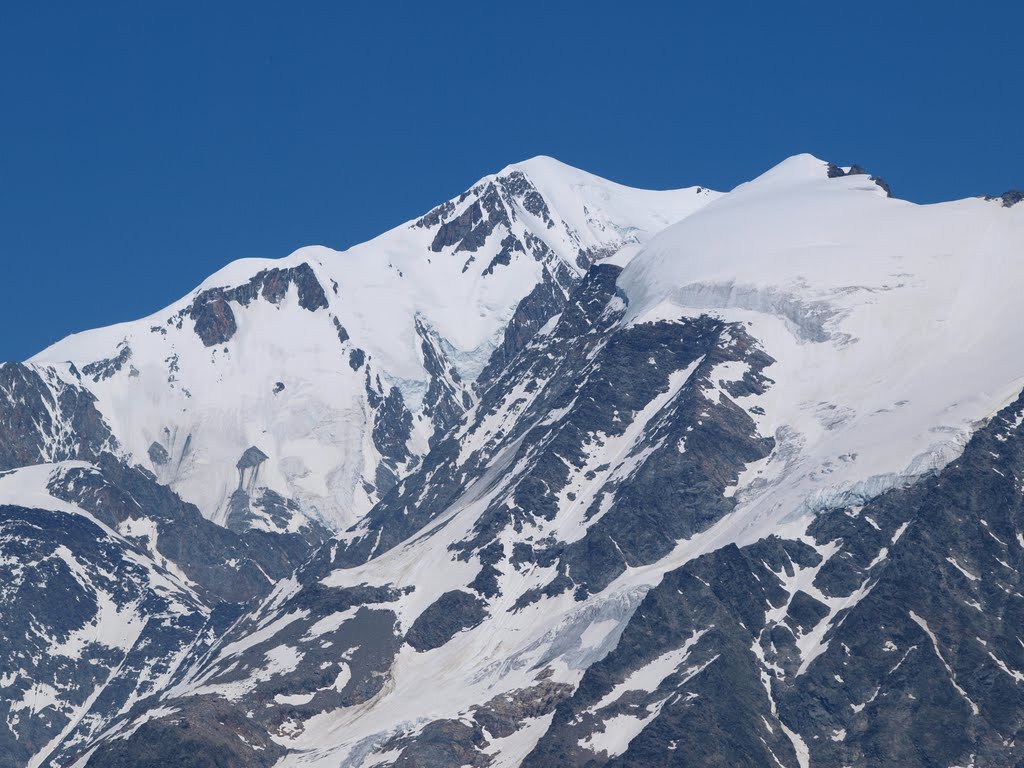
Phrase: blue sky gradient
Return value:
(144, 145)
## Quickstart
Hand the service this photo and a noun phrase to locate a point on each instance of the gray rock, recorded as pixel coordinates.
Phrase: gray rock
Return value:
(211, 312)
(45, 419)
(158, 455)
(451, 613)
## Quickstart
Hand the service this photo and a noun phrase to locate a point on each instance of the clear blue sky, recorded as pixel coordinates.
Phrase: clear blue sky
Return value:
(144, 145)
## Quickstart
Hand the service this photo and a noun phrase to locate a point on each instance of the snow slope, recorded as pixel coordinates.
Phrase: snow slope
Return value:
(291, 381)
(894, 325)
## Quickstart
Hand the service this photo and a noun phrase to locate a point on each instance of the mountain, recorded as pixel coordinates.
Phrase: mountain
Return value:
(339, 369)
(561, 473)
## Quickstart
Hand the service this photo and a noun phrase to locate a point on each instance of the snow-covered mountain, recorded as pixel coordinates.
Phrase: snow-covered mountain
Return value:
(561, 473)
(340, 367)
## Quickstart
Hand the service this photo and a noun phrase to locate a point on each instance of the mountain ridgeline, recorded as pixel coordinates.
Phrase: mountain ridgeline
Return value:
(560, 473)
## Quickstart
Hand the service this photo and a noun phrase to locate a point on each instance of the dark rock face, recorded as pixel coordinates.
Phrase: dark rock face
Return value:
(134, 605)
(490, 207)
(542, 303)
(509, 246)
(391, 430)
(598, 380)
(834, 172)
(458, 229)
(257, 510)
(342, 333)
(212, 314)
(1010, 198)
(251, 458)
(104, 369)
(883, 184)
(97, 573)
(214, 320)
(117, 628)
(452, 612)
(493, 205)
(44, 419)
(158, 455)
(115, 493)
(207, 736)
(444, 743)
(277, 507)
(437, 215)
(671, 495)
(277, 281)
(929, 654)
(440, 479)
(447, 397)
(916, 662)
(705, 705)
(343, 663)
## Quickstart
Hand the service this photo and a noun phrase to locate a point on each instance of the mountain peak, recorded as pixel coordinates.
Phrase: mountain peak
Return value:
(795, 169)
(802, 169)
(549, 173)
(540, 164)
